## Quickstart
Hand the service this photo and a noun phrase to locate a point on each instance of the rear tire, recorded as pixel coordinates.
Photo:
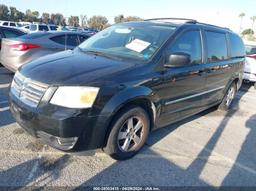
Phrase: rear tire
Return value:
(228, 98)
(129, 133)
(254, 85)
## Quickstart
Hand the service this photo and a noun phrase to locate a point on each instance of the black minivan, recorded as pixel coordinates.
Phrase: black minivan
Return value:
(126, 81)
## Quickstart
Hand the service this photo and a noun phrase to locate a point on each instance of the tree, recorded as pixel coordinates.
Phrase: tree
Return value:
(132, 18)
(119, 19)
(13, 14)
(253, 18)
(248, 32)
(45, 18)
(73, 21)
(4, 12)
(241, 16)
(84, 20)
(57, 19)
(98, 22)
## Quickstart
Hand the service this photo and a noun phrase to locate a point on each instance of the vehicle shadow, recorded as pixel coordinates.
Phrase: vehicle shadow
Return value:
(5, 76)
(246, 174)
(5, 114)
(26, 173)
(149, 168)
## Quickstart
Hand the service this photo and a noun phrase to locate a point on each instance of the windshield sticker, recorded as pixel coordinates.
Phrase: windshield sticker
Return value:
(137, 45)
(123, 31)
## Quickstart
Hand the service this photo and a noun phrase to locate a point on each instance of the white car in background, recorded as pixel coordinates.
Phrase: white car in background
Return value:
(8, 24)
(39, 28)
(250, 62)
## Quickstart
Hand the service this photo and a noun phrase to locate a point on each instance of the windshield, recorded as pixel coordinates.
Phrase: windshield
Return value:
(129, 41)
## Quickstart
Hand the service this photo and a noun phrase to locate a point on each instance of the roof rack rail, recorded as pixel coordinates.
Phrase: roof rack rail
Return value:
(213, 26)
(181, 19)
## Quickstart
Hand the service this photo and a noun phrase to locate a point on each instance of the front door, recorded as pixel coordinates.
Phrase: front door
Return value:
(184, 85)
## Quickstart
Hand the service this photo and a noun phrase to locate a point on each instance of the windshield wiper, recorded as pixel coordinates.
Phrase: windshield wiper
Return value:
(98, 53)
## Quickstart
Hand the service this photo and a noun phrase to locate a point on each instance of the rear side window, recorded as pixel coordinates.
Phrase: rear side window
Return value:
(12, 24)
(10, 33)
(59, 39)
(43, 28)
(190, 43)
(72, 40)
(236, 46)
(216, 44)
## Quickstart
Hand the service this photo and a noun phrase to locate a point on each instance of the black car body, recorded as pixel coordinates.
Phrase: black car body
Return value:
(175, 82)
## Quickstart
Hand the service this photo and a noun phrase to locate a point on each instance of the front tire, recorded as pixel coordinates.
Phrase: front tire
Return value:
(228, 98)
(129, 133)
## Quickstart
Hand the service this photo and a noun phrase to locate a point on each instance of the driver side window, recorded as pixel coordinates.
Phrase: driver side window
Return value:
(190, 43)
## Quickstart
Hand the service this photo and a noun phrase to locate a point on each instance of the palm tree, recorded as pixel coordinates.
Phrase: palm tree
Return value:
(253, 18)
(241, 16)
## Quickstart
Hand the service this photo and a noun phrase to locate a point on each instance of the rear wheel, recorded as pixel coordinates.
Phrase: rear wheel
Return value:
(228, 98)
(129, 133)
(255, 85)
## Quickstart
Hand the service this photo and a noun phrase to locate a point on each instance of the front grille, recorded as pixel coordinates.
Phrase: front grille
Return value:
(28, 91)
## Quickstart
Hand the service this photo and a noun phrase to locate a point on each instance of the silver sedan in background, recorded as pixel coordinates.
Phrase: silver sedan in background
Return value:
(24, 49)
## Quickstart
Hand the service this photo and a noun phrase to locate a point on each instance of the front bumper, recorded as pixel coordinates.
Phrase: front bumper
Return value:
(249, 76)
(62, 128)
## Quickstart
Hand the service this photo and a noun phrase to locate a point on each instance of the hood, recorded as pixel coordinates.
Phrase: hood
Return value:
(73, 68)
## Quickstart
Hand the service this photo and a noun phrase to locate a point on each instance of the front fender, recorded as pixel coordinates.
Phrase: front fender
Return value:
(101, 128)
(127, 95)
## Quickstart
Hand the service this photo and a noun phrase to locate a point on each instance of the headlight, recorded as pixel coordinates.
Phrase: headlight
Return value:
(75, 97)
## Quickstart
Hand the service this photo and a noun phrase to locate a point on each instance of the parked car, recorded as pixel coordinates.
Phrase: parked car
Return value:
(8, 24)
(37, 28)
(250, 62)
(126, 81)
(18, 51)
(9, 32)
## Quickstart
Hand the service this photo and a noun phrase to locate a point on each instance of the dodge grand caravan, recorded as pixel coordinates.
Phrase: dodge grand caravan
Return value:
(127, 80)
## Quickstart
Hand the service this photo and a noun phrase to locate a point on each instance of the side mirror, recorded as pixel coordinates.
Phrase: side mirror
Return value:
(177, 59)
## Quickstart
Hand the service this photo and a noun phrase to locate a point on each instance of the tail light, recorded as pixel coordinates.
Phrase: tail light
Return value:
(24, 46)
(252, 56)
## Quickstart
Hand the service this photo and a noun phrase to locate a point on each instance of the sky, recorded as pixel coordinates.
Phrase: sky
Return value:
(219, 12)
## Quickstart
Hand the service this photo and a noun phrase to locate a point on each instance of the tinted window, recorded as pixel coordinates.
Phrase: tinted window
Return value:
(43, 28)
(72, 40)
(82, 38)
(190, 43)
(33, 27)
(53, 28)
(5, 24)
(216, 46)
(59, 39)
(12, 24)
(11, 34)
(236, 45)
(250, 49)
(27, 27)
